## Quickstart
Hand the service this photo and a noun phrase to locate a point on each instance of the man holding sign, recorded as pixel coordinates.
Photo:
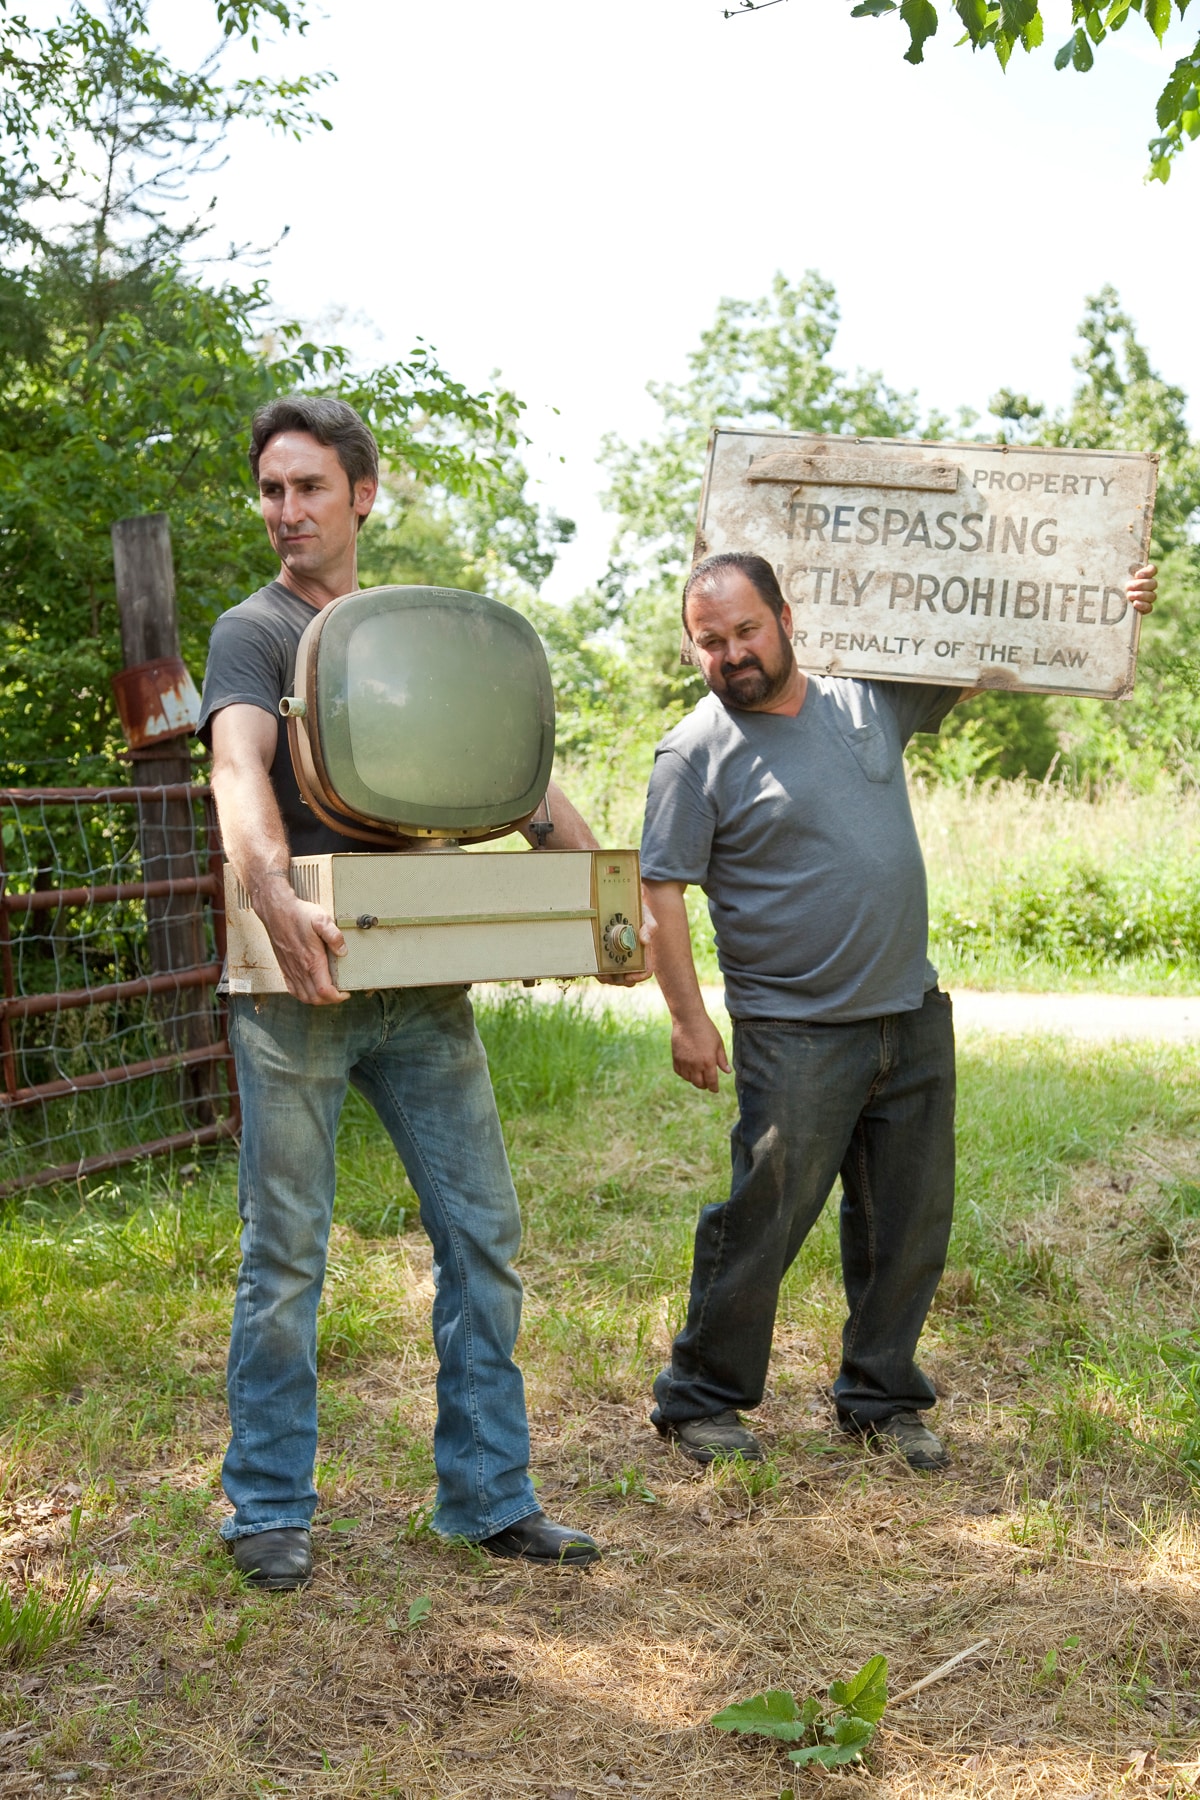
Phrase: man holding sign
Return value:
(783, 796)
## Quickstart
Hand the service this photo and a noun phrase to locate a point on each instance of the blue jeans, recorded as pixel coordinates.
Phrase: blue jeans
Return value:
(416, 1056)
(873, 1102)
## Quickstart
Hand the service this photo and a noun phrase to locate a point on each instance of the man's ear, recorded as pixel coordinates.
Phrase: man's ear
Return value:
(785, 621)
(365, 493)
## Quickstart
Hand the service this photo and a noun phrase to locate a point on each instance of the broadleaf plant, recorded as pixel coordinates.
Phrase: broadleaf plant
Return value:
(773, 1714)
(865, 1694)
(827, 1734)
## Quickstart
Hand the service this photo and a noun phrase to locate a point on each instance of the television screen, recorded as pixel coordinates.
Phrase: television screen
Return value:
(424, 710)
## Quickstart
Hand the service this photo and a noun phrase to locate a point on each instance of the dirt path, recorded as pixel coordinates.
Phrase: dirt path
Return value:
(1162, 1018)
(1166, 1018)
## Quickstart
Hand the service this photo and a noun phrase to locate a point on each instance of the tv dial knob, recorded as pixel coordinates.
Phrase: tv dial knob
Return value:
(620, 939)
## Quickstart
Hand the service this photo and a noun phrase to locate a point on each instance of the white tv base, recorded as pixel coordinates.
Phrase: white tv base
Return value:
(428, 918)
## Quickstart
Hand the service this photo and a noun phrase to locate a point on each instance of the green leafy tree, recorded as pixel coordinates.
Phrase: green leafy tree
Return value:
(91, 106)
(1120, 403)
(1002, 26)
(151, 415)
(127, 382)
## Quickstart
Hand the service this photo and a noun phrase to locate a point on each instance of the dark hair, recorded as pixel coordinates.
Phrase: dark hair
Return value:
(330, 421)
(758, 572)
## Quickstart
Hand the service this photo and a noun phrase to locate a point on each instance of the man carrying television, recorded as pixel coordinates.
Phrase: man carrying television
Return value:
(783, 796)
(414, 1053)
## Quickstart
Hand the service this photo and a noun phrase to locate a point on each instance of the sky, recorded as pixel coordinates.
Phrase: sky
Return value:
(564, 191)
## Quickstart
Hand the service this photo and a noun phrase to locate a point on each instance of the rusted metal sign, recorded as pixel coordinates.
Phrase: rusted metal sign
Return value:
(974, 565)
(156, 700)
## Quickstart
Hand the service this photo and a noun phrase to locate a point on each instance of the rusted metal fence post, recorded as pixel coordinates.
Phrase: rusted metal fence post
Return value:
(158, 706)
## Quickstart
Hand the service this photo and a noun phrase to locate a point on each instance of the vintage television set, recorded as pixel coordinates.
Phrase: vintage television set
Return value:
(421, 724)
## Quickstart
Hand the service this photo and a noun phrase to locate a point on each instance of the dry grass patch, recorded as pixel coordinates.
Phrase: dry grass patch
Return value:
(1065, 1534)
(524, 1682)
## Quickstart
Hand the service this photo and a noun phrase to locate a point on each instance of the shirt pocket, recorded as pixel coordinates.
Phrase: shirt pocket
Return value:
(875, 754)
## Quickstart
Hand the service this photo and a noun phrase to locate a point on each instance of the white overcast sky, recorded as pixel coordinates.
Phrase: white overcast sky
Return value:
(563, 189)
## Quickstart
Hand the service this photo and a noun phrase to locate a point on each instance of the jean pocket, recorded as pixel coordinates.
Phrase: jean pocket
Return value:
(876, 756)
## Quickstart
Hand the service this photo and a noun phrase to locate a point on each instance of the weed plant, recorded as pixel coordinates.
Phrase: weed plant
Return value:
(35, 1625)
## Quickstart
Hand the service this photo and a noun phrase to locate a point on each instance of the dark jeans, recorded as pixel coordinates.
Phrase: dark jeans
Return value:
(873, 1102)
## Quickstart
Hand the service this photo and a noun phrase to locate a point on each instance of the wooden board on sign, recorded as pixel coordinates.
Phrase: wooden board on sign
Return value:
(970, 565)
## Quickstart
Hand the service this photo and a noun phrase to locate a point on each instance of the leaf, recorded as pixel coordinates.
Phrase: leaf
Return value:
(1063, 56)
(1158, 16)
(420, 1609)
(343, 1524)
(847, 1739)
(773, 1714)
(921, 18)
(865, 1694)
(975, 16)
(851, 1736)
(872, 9)
(1081, 52)
(825, 1754)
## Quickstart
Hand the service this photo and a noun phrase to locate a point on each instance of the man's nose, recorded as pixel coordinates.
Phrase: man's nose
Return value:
(291, 511)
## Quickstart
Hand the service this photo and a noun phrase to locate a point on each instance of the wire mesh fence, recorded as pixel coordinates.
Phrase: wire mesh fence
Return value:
(112, 1036)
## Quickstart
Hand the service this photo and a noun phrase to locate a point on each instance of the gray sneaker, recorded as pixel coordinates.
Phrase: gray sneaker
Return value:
(920, 1447)
(709, 1440)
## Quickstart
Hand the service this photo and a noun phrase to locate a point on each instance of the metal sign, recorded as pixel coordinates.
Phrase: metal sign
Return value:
(973, 565)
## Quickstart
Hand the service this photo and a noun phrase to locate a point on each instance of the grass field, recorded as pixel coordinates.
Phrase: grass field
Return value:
(1062, 1343)
(1031, 886)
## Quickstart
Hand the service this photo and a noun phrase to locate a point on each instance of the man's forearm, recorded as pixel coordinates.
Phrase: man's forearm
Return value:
(696, 1048)
(674, 967)
(252, 829)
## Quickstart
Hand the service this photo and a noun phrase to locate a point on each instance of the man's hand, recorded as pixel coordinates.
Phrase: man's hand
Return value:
(302, 936)
(1141, 590)
(696, 1048)
(698, 1053)
(646, 933)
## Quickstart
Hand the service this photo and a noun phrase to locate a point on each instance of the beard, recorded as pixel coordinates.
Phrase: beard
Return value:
(749, 685)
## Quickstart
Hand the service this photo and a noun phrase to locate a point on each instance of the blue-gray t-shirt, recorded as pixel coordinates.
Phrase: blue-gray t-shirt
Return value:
(800, 832)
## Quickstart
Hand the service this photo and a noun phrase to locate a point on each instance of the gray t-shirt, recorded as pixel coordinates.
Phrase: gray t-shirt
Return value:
(252, 662)
(800, 832)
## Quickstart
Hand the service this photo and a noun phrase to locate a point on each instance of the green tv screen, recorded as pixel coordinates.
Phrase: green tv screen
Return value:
(434, 709)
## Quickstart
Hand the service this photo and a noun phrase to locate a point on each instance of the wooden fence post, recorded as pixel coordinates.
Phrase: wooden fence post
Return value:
(145, 579)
